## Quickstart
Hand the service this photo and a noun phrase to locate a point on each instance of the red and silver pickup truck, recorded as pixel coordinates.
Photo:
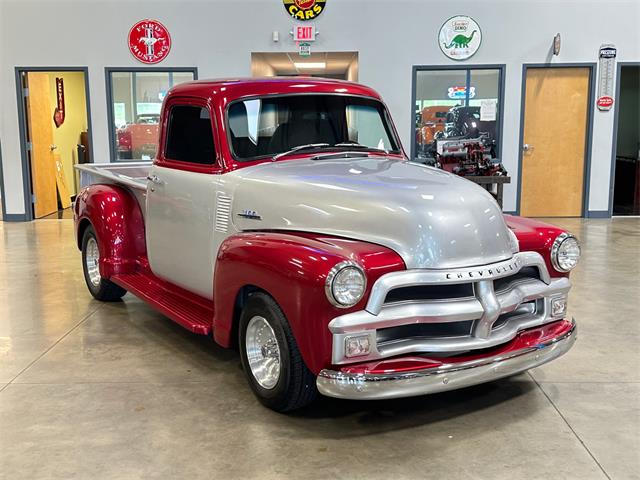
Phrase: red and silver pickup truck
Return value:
(282, 217)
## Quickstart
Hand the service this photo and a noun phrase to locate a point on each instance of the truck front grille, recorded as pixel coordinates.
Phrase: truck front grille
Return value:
(446, 312)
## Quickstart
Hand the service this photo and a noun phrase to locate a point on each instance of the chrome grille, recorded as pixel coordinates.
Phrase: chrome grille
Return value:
(451, 311)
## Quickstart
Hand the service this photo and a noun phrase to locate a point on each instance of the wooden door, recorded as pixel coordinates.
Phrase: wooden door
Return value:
(40, 134)
(555, 132)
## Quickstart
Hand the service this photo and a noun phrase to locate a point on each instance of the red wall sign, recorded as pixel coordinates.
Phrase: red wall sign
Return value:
(149, 41)
(605, 103)
(58, 114)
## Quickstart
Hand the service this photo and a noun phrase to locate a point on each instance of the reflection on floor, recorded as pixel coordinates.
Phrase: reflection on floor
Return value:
(94, 390)
(60, 214)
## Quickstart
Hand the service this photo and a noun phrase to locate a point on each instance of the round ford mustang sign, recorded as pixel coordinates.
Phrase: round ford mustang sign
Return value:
(304, 10)
(460, 37)
(149, 41)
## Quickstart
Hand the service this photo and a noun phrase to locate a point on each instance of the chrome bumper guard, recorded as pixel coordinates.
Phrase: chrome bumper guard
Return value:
(447, 377)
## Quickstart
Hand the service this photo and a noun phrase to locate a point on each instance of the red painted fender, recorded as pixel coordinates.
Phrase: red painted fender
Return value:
(116, 217)
(536, 236)
(292, 268)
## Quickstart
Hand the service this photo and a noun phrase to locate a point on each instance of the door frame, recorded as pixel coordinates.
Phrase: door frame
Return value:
(22, 126)
(586, 182)
(109, 86)
(614, 143)
(501, 67)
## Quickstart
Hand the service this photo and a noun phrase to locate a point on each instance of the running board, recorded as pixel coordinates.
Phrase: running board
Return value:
(185, 308)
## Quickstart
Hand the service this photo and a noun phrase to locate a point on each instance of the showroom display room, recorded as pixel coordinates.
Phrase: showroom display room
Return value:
(218, 37)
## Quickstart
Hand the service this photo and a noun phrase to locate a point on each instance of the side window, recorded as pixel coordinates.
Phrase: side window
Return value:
(189, 137)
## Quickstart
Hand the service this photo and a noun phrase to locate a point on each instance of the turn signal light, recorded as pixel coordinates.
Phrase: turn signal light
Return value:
(559, 307)
(357, 346)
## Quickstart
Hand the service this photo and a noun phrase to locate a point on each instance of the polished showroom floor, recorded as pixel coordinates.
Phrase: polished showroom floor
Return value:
(92, 391)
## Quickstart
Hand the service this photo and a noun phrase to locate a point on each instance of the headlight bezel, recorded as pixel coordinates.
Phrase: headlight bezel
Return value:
(331, 276)
(555, 250)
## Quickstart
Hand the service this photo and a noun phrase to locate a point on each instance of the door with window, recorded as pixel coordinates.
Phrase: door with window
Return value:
(181, 199)
(556, 119)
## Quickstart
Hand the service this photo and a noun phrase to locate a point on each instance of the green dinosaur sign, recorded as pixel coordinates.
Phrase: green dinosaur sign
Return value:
(460, 37)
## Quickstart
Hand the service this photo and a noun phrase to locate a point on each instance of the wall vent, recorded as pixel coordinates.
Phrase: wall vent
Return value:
(223, 212)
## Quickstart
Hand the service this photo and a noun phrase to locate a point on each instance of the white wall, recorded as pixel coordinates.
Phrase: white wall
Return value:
(217, 36)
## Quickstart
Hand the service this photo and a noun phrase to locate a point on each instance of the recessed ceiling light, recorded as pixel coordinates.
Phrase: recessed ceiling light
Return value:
(310, 65)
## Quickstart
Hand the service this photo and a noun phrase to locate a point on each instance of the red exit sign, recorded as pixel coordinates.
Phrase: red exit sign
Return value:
(304, 33)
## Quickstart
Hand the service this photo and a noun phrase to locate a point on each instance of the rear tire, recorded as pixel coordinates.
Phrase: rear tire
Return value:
(270, 357)
(101, 288)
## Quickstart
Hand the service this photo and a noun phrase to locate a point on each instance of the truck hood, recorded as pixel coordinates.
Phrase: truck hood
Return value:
(431, 218)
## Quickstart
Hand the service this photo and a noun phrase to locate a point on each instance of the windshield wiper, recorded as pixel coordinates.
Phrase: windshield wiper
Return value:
(359, 145)
(300, 147)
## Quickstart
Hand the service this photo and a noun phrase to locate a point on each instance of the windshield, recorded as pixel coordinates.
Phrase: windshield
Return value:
(269, 126)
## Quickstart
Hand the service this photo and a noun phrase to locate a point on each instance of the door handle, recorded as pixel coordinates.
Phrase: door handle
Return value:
(155, 179)
(527, 148)
(53, 147)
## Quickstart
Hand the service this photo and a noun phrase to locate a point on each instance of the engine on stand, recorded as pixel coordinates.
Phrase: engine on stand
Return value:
(467, 157)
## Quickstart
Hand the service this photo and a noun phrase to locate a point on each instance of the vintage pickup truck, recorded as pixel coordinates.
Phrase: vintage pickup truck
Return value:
(282, 217)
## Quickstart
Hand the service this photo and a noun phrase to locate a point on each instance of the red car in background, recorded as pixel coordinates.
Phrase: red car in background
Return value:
(139, 139)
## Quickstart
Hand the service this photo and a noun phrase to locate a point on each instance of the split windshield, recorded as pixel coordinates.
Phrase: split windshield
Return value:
(268, 126)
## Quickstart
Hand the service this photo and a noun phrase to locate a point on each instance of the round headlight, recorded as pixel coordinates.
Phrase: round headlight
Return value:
(345, 284)
(565, 252)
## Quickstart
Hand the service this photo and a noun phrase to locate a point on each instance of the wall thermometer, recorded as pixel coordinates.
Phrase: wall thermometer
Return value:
(607, 66)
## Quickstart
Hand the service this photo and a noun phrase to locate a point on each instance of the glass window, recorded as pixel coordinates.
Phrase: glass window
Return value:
(190, 135)
(456, 104)
(135, 110)
(272, 125)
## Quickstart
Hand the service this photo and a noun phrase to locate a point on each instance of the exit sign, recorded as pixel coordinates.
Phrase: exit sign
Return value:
(304, 33)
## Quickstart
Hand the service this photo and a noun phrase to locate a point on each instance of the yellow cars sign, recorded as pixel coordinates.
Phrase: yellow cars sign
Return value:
(304, 10)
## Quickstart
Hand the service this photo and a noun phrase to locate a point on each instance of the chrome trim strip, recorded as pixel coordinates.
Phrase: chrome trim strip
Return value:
(412, 278)
(447, 377)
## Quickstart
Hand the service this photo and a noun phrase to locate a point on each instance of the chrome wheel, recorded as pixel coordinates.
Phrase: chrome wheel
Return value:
(91, 260)
(263, 353)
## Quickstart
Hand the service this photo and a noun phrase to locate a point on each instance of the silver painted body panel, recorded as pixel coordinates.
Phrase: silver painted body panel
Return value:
(431, 218)
(182, 242)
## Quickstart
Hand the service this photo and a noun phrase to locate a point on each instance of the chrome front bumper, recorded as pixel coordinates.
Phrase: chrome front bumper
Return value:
(445, 377)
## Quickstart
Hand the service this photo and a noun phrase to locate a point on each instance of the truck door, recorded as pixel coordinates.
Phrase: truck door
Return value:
(181, 198)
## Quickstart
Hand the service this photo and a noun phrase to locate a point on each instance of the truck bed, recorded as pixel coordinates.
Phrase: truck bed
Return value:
(131, 174)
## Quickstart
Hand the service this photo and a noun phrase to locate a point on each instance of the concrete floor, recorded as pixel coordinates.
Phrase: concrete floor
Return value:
(91, 391)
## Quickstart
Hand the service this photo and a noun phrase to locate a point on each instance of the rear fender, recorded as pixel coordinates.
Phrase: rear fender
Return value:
(292, 268)
(117, 219)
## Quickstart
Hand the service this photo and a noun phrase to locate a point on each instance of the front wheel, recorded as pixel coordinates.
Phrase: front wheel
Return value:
(270, 357)
(101, 288)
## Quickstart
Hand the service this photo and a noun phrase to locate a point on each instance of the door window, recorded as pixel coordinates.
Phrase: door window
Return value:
(189, 136)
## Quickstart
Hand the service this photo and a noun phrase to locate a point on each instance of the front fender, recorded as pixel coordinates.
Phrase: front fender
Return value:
(292, 268)
(536, 236)
(117, 219)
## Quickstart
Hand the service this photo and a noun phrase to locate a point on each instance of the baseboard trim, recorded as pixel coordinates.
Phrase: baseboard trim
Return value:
(598, 214)
(15, 217)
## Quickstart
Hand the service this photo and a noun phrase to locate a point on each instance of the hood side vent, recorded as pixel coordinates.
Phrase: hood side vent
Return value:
(223, 212)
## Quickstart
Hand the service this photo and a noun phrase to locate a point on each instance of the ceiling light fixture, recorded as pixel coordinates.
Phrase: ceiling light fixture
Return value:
(310, 65)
